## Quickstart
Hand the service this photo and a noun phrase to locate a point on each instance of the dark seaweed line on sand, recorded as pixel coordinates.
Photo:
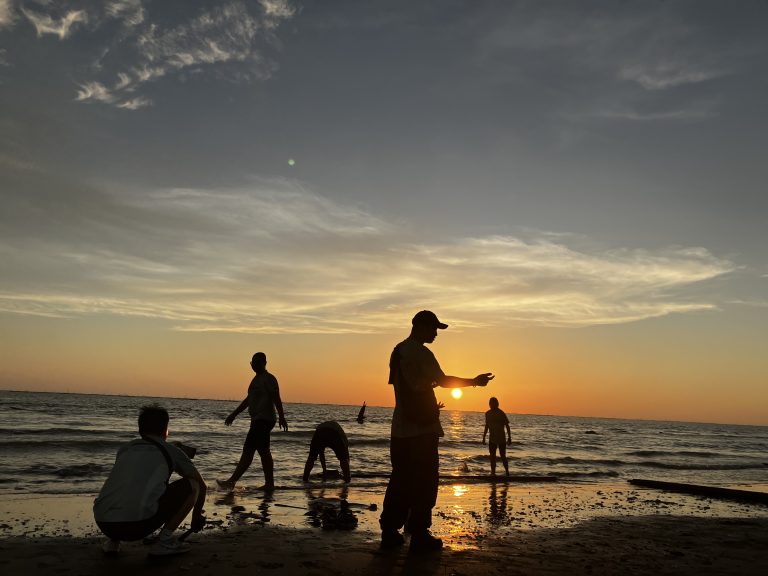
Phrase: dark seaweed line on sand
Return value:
(709, 491)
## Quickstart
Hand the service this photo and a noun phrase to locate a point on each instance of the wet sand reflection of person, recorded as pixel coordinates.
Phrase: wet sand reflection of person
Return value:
(498, 514)
(317, 496)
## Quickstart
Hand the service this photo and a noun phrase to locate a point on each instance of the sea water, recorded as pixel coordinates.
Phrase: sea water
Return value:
(66, 443)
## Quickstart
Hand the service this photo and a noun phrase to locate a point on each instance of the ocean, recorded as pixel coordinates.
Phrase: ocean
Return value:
(66, 443)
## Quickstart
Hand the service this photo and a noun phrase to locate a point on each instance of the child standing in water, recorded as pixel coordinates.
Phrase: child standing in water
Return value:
(495, 421)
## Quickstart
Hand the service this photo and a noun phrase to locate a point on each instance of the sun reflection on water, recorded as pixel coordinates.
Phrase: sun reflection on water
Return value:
(459, 490)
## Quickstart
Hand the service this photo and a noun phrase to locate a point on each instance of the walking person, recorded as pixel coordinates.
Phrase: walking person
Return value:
(265, 408)
(412, 489)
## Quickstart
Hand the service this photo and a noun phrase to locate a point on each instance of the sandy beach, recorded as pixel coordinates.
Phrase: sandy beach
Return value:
(506, 529)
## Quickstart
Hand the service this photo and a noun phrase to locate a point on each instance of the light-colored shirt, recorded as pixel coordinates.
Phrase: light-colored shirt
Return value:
(421, 371)
(261, 394)
(496, 420)
(137, 481)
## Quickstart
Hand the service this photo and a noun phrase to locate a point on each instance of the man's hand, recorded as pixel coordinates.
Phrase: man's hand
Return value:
(229, 419)
(440, 405)
(198, 521)
(509, 441)
(283, 423)
(483, 379)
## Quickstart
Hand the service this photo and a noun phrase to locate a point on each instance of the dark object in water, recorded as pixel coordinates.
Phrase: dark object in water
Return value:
(590, 432)
(361, 414)
(709, 491)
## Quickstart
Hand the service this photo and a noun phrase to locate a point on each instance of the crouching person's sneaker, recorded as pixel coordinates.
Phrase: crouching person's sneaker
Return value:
(168, 547)
(391, 539)
(425, 542)
(110, 547)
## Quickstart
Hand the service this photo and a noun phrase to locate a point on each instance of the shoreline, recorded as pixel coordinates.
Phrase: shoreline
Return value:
(463, 507)
(557, 529)
(632, 546)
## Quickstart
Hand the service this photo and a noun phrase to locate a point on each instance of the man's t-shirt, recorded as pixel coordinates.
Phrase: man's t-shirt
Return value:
(137, 481)
(496, 421)
(421, 371)
(262, 390)
(330, 435)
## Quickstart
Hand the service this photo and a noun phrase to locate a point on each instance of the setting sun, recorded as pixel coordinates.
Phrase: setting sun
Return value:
(456, 393)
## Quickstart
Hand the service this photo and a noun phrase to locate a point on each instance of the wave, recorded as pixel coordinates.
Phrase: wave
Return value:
(691, 466)
(62, 432)
(689, 453)
(595, 474)
(75, 471)
(43, 445)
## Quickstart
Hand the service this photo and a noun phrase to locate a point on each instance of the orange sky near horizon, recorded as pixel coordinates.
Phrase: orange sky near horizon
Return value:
(696, 373)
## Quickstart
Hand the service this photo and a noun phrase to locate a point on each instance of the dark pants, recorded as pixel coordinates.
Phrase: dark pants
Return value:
(170, 502)
(412, 489)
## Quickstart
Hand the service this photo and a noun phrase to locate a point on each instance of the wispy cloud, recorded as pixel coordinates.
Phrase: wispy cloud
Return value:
(694, 112)
(6, 13)
(669, 74)
(95, 91)
(135, 47)
(228, 35)
(62, 26)
(130, 12)
(276, 258)
(634, 58)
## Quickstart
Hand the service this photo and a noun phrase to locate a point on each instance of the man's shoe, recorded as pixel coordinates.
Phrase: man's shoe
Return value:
(391, 539)
(169, 547)
(425, 542)
(110, 547)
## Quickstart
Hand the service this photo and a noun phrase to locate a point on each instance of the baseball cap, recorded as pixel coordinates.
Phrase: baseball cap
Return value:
(428, 318)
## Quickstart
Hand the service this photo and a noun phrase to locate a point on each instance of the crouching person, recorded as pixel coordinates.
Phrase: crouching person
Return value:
(137, 498)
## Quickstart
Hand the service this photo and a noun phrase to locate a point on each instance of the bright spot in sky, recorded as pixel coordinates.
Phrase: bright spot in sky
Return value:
(456, 393)
(291, 162)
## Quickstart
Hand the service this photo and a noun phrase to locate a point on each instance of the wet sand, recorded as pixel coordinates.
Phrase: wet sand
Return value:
(506, 529)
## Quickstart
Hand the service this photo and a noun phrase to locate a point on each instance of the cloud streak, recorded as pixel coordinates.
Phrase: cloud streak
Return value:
(227, 35)
(276, 258)
(139, 46)
(62, 26)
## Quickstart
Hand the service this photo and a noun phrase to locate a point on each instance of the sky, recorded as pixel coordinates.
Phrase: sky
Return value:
(577, 188)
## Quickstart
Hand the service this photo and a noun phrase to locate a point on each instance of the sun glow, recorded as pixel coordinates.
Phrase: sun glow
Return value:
(457, 393)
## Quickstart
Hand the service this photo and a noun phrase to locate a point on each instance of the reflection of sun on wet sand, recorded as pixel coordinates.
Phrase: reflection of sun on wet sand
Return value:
(487, 529)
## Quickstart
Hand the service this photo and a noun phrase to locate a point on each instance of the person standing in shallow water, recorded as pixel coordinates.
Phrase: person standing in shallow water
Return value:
(495, 421)
(412, 489)
(262, 401)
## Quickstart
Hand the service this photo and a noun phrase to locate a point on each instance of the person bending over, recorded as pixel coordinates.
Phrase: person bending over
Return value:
(328, 435)
(137, 499)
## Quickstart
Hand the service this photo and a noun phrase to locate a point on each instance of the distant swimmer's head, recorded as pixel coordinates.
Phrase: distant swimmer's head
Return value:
(426, 325)
(153, 420)
(259, 361)
(493, 402)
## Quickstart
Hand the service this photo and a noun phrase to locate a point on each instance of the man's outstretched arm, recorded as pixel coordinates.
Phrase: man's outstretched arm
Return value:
(446, 381)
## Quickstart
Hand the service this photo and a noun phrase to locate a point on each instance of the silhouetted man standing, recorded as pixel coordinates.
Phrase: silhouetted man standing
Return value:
(412, 489)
